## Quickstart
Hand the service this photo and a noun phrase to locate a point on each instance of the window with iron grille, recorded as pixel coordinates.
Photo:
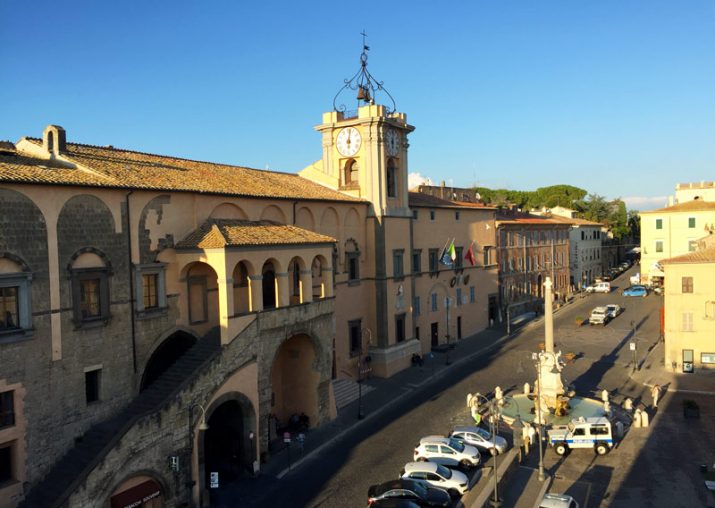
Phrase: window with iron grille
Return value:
(687, 284)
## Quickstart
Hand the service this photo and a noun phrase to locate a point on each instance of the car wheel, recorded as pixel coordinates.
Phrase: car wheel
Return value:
(465, 464)
(454, 493)
(421, 459)
(601, 449)
(561, 449)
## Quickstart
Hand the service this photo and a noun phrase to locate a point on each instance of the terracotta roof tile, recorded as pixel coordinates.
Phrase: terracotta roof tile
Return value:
(111, 167)
(697, 205)
(220, 233)
(526, 218)
(421, 200)
(698, 256)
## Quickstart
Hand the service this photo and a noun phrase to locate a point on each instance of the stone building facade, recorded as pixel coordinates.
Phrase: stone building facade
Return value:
(154, 305)
(531, 248)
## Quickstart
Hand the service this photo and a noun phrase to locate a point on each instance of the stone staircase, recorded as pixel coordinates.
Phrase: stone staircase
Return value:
(347, 391)
(70, 471)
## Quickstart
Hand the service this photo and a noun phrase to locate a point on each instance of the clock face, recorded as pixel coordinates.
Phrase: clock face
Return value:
(348, 141)
(392, 140)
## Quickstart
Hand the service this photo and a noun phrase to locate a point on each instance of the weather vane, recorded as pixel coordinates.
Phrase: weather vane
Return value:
(363, 83)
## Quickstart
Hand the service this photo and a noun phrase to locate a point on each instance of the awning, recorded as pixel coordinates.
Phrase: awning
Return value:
(137, 495)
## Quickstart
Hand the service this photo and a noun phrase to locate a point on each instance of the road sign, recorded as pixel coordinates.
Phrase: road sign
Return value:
(213, 480)
(633, 346)
(286, 437)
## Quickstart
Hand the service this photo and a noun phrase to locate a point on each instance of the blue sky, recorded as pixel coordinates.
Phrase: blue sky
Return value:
(613, 96)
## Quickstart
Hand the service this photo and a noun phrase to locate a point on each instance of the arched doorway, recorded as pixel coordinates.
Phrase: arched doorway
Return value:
(227, 444)
(140, 491)
(168, 352)
(269, 286)
(541, 287)
(294, 381)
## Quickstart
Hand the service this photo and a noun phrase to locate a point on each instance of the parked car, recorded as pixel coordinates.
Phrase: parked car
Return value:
(447, 451)
(558, 501)
(599, 316)
(599, 287)
(479, 437)
(635, 291)
(393, 502)
(436, 475)
(410, 490)
(613, 310)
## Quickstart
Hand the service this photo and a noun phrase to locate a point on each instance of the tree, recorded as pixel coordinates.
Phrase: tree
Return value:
(634, 225)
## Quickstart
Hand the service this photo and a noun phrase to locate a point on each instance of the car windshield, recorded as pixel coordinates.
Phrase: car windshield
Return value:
(456, 445)
(444, 472)
(419, 489)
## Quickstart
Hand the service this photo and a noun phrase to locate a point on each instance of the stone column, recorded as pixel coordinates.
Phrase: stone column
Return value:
(282, 289)
(306, 286)
(225, 306)
(255, 292)
(548, 317)
(328, 274)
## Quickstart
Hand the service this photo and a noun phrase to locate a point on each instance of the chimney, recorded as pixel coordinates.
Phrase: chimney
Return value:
(54, 140)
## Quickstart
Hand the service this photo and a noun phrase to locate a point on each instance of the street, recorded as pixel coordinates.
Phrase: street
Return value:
(340, 475)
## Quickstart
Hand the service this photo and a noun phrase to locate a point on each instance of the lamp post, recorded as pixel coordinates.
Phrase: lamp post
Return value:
(493, 422)
(447, 302)
(361, 415)
(203, 426)
(537, 363)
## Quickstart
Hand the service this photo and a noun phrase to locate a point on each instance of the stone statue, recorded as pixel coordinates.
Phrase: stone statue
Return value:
(628, 405)
(527, 388)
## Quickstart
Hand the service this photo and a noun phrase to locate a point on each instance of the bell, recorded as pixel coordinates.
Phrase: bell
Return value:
(363, 94)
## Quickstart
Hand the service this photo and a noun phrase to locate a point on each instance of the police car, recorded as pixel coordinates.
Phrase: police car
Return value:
(593, 433)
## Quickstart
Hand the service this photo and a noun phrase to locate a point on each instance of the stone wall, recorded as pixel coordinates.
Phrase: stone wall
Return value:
(147, 446)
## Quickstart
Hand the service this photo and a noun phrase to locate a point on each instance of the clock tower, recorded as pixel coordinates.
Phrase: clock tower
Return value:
(365, 156)
(365, 150)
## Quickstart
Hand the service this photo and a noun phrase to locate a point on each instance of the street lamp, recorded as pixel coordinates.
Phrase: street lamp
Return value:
(361, 415)
(537, 364)
(203, 426)
(494, 416)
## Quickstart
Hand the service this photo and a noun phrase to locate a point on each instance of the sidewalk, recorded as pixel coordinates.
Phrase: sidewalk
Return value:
(652, 372)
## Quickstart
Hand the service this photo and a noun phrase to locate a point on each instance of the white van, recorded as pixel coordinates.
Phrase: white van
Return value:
(599, 287)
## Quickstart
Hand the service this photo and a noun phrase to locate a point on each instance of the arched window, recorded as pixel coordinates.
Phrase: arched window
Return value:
(350, 173)
(391, 179)
(89, 274)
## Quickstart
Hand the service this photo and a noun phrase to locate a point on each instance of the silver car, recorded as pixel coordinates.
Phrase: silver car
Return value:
(479, 437)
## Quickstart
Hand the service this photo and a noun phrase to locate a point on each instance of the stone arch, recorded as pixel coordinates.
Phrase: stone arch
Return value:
(86, 224)
(201, 295)
(351, 173)
(90, 257)
(270, 283)
(295, 267)
(329, 224)
(24, 241)
(226, 446)
(304, 218)
(319, 276)
(228, 211)
(242, 303)
(166, 351)
(135, 486)
(295, 378)
(272, 212)
(8, 259)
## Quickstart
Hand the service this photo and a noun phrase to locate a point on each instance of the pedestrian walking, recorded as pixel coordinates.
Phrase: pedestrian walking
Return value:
(532, 435)
(525, 437)
(655, 392)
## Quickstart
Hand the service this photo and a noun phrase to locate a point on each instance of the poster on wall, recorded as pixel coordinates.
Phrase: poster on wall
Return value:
(213, 480)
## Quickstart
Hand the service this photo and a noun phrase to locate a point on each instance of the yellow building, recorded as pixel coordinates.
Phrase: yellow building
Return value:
(689, 309)
(672, 231)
